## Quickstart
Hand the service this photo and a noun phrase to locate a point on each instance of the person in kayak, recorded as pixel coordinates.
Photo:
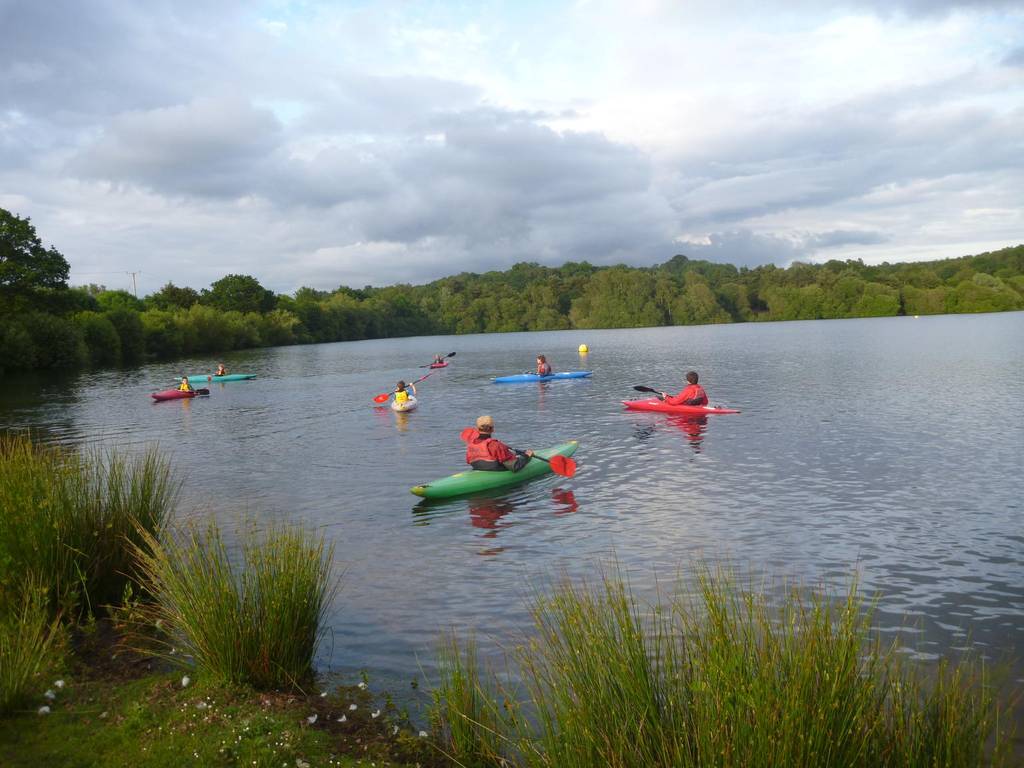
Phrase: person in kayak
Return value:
(693, 394)
(543, 367)
(401, 393)
(438, 359)
(487, 453)
(184, 386)
(221, 370)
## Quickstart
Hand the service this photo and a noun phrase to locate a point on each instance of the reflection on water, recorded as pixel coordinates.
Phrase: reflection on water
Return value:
(817, 476)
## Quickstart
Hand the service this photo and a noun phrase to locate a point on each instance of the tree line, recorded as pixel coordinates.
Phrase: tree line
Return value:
(47, 324)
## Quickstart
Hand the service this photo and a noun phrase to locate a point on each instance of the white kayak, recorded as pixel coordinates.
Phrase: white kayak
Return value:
(408, 405)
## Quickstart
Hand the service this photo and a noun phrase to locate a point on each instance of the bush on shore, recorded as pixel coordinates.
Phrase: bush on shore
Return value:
(257, 623)
(69, 518)
(30, 640)
(724, 680)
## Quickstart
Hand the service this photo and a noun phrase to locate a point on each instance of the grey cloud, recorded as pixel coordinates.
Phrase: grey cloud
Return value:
(209, 147)
(1014, 58)
(841, 237)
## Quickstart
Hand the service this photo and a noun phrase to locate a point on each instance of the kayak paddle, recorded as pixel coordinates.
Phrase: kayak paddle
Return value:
(638, 388)
(560, 465)
(450, 354)
(381, 398)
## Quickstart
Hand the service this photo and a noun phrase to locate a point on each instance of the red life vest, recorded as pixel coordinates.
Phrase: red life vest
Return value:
(692, 392)
(482, 448)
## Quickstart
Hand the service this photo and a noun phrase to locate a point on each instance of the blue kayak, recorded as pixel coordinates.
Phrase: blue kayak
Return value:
(521, 377)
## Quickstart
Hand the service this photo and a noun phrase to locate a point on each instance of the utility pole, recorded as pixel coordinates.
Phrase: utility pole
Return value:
(135, 288)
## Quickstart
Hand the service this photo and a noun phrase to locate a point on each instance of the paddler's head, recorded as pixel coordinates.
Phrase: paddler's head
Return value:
(485, 425)
(692, 377)
(399, 386)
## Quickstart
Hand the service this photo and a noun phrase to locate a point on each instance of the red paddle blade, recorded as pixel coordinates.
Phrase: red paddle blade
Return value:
(382, 398)
(561, 465)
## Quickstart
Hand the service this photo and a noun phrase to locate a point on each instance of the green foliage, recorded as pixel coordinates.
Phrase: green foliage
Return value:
(25, 266)
(29, 645)
(17, 352)
(729, 678)
(68, 520)
(111, 300)
(57, 341)
(172, 297)
(239, 293)
(256, 623)
(236, 312)
(128, 324)
(101, 338)
(164, 338)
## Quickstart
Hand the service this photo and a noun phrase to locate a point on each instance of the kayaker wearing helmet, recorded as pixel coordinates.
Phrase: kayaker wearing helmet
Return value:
(694, 394)
(543, 369)
(184, 386)
(486, 453)
(401, 393)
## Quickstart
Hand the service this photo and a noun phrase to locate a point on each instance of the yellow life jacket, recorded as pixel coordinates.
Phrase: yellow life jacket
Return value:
(401, 397)
(185, 387)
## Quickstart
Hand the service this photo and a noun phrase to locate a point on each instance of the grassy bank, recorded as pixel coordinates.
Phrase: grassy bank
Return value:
(728, 679)
(152, 721)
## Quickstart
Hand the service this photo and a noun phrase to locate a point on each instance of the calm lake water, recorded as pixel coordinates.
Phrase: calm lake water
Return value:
(892, 447)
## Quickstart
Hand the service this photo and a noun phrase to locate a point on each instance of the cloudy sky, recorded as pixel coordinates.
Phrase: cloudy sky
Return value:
(357, 142)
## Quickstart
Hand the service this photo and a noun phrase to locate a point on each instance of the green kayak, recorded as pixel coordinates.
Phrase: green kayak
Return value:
(473, 481)
(203, 378)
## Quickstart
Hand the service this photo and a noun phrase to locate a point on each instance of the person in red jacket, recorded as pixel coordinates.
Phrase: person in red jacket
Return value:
(694, 393)
(485, 452)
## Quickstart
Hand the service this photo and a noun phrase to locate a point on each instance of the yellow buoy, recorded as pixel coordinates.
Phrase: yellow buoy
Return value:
(584, 349)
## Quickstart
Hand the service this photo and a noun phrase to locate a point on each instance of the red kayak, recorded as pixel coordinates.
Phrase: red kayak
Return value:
(439, 365)
(654, 404)
(177, 394)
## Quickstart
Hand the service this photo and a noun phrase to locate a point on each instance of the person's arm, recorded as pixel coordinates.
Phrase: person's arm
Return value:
(518, 461)
(413, 389)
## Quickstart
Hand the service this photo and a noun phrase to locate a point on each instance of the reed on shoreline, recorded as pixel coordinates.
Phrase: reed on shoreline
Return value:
(69, 520)
(728, 678)
(257, 622)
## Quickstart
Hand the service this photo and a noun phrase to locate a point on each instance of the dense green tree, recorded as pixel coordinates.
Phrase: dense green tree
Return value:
(101, 339)
(128, 324)
(26, 267)
(111, 300)
(172, 297)
(239, 293)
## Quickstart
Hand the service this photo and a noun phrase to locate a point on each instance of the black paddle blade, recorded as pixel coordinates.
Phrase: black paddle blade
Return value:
(451, 354)
(639, 388)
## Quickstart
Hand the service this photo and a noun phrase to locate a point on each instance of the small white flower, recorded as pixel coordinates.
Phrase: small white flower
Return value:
(300, 763)
(50, 695)
(352, 707)
(201, 705)
(103, 715)
(394, 730)
(185, 681)
(323, 695)
(58, 684)
(44, 710)
(362, 686)
(423, 734)
(375, 714)
(343, 719)
(311, 719)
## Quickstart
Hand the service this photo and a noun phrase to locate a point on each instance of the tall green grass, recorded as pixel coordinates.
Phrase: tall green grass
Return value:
(727, 678)
(68, 518)
(30, 644)
(257, 622)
